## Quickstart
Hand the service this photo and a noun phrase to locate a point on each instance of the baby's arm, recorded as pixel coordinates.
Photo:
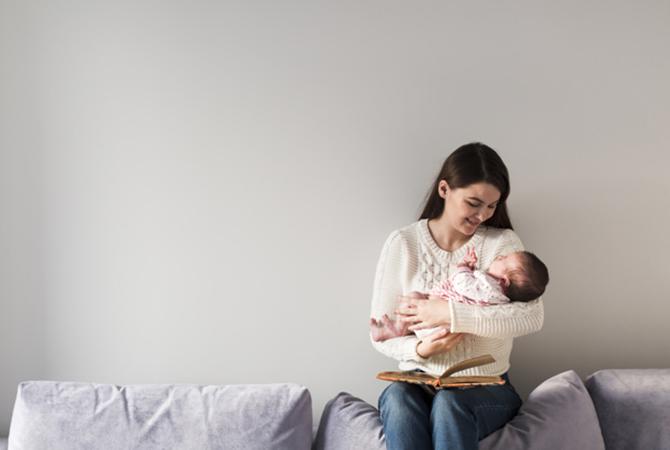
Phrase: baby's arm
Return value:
(470, 259)
(469, 287)
(463, 286)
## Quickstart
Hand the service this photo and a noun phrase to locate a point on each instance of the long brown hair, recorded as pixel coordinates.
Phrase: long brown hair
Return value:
(468, 164)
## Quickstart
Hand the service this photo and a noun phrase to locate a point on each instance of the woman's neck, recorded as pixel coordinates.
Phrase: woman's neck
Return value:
(445, 236)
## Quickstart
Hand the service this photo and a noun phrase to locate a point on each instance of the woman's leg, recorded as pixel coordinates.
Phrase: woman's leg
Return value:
(405, 414)
(461, 417)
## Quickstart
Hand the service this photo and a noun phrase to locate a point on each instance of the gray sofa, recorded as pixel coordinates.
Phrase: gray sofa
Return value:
(613, 409)
(64, 415)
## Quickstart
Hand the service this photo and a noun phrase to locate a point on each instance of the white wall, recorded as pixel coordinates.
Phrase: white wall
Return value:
(198, 191)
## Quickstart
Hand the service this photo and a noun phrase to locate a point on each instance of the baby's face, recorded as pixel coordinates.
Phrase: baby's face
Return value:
(502, 265)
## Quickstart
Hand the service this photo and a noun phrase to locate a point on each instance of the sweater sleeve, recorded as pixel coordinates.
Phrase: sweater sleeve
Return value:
(499, 321)
(388, 285)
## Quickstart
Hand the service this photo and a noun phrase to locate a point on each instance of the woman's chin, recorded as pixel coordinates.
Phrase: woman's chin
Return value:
(468, 230)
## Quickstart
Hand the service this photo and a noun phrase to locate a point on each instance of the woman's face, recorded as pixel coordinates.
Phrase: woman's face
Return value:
(467, 207)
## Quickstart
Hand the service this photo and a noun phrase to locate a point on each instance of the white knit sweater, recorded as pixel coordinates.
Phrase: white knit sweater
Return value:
(411, 260)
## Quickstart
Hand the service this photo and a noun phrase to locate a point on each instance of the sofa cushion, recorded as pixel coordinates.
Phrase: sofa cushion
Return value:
(67, 415)
(633, 406)
(349, 423)
(558, 415)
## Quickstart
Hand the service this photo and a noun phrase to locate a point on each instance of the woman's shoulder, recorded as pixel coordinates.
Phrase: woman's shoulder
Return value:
(407, 232)
(501, 238)
(404, 237)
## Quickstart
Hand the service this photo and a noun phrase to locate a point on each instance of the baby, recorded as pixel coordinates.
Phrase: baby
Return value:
(516, 277)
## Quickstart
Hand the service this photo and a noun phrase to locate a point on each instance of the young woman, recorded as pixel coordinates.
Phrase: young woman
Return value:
(465, 208)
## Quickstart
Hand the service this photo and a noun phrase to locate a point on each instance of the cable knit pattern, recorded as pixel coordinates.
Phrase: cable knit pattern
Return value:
(411, 260)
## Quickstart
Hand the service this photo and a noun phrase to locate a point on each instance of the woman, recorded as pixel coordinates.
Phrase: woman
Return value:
(466, 207)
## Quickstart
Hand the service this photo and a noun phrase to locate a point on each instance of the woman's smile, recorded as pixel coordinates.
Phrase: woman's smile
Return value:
(471, 222)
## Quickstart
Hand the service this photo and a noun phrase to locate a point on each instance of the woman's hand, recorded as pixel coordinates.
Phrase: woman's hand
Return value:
(424, 313)
(440, 341)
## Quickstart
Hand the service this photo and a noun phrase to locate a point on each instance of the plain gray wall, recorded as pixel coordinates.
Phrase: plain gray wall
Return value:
(198, 192)
(22, 295)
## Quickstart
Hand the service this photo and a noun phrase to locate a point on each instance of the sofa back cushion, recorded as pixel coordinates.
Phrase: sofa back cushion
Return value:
(66, 415)
(558, 415)
(349, 423)
(633, 407)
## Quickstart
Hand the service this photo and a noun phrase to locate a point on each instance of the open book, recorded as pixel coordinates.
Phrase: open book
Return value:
(446, 380)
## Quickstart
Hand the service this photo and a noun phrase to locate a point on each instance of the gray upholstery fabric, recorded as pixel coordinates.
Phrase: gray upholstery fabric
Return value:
(64, 415)
(349, 423)
(633, 406)
(558, 415)
(3, 443)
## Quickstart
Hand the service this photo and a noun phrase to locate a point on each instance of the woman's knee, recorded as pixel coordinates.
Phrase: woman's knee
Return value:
(399, 398)
(394, 394)
(450, 403)
(484, 409)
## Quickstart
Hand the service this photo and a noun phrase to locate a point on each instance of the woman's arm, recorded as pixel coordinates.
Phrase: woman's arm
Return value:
(391, 273)
(497, 321)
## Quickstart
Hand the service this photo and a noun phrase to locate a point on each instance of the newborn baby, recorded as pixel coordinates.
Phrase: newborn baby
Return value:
(516, 277)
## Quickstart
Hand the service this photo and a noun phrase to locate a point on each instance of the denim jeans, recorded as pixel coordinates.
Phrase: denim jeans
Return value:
(418, 417)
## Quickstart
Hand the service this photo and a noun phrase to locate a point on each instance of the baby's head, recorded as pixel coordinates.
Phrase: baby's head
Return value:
(524, 275)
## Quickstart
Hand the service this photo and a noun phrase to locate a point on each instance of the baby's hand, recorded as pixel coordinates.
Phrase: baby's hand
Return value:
(470, 259)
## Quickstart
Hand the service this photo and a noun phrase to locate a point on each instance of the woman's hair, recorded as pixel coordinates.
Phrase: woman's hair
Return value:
(468, 164)
(529, 281)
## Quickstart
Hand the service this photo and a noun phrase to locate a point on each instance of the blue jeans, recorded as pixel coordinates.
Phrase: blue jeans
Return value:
(418, 417)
